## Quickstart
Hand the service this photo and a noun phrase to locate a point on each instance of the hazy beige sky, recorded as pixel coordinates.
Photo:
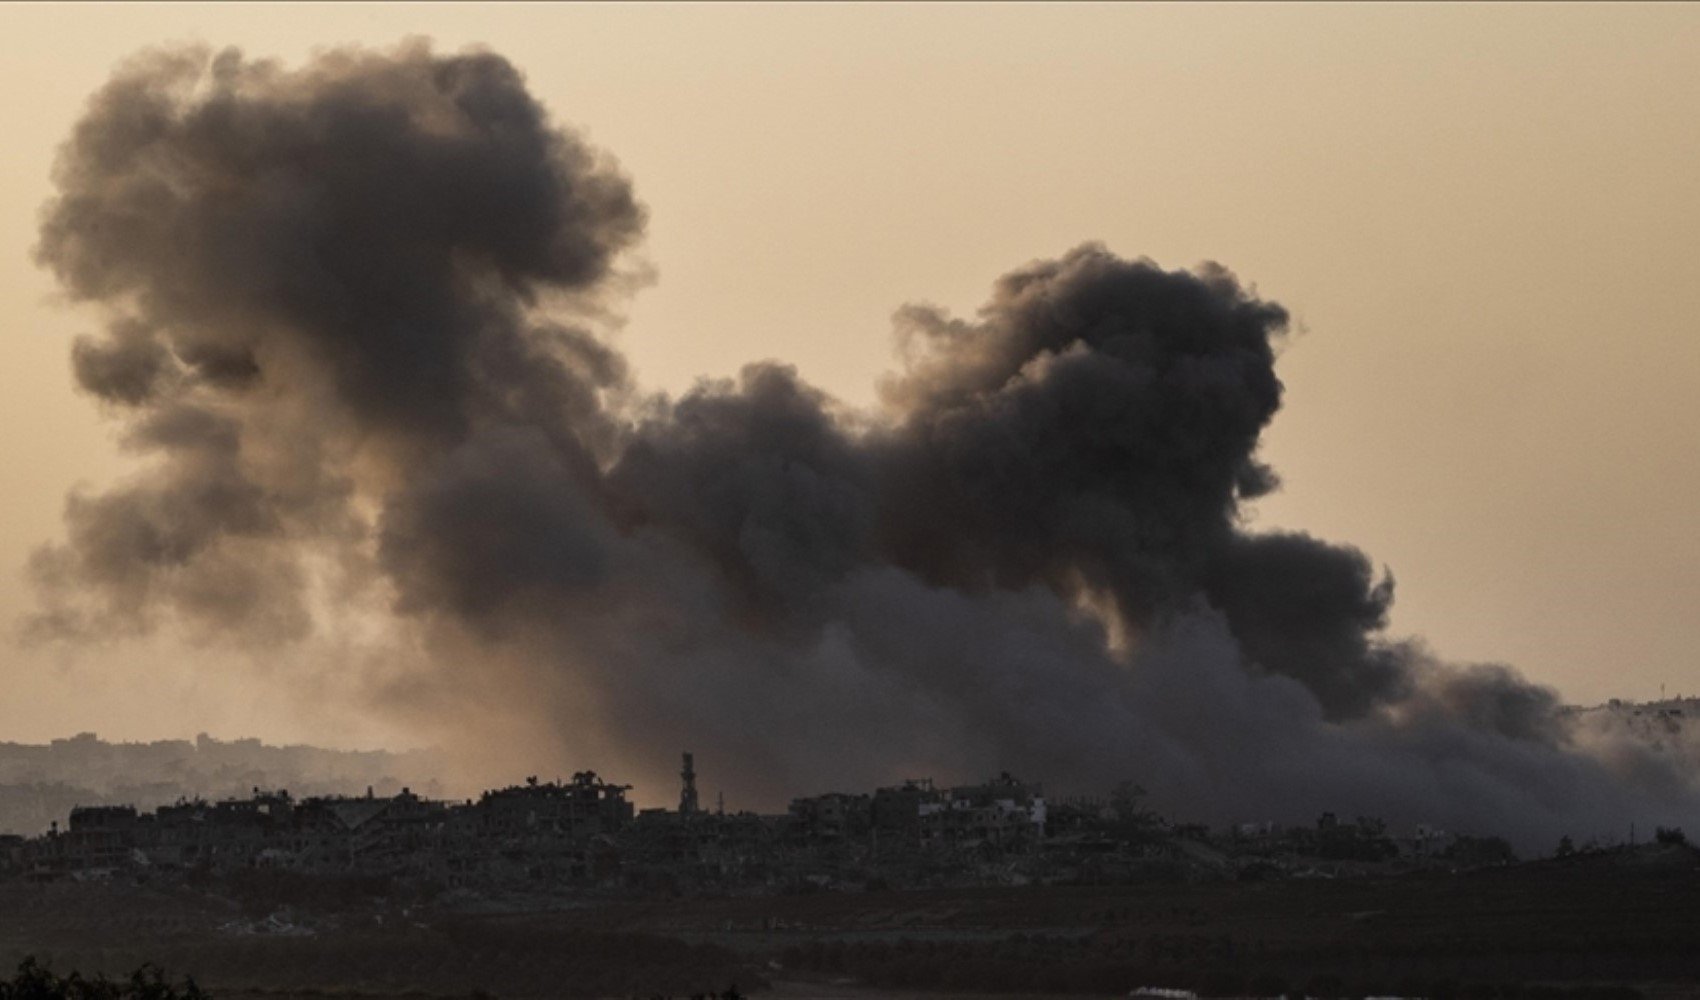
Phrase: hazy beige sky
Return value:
(1486, 219)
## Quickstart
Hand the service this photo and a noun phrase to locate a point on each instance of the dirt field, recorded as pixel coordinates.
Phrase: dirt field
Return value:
(1630, 918)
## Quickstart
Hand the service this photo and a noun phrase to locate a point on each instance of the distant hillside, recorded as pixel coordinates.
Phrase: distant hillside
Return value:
(1669, 727)
(39, 784)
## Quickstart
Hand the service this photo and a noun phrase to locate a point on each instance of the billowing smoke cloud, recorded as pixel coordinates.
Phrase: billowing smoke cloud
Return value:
(353, 311)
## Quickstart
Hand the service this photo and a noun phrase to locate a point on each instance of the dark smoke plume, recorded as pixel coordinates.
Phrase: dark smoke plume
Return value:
(353, 312)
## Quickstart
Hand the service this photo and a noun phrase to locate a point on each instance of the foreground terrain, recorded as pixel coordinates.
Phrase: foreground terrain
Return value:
(1627, 918)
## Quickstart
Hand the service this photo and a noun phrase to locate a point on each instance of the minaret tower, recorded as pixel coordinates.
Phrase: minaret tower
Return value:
(688, 794)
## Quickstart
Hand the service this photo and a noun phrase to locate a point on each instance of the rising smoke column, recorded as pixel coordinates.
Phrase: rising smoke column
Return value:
(352, 330)
(322, 282)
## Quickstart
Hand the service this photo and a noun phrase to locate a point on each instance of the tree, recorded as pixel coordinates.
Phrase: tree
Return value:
(1126, 800)
(1479, 852)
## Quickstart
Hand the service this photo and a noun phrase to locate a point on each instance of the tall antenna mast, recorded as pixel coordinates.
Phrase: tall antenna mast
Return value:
(688, 794)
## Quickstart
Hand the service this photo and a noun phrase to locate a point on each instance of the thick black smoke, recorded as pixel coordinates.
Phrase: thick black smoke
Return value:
(343, 331)
(325, 283)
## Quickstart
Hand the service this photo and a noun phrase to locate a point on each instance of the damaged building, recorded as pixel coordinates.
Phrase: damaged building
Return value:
(584, 834)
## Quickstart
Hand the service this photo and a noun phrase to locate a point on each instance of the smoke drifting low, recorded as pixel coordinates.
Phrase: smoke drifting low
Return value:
(353, 312)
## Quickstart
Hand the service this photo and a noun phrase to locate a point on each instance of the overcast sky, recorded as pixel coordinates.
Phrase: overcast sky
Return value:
(1485, 219)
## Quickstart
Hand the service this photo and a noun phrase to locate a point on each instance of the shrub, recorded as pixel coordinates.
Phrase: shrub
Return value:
(35, 981)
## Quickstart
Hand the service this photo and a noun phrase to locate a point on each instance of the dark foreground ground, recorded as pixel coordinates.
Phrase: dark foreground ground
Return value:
(1584, 925)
